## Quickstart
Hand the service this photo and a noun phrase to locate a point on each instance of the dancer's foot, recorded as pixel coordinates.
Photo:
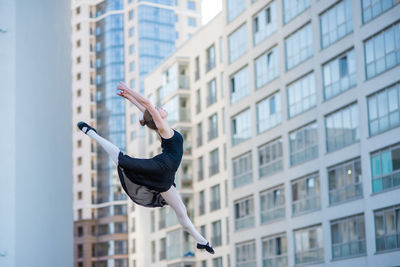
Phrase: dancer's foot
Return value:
(207, 247)
(85, 127)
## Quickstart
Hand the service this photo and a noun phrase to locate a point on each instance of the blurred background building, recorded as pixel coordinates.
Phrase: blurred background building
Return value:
(290, 114)
(35, 138)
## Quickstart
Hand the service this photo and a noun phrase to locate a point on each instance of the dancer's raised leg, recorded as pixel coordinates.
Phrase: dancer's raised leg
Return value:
(109, 147)
(174, 200)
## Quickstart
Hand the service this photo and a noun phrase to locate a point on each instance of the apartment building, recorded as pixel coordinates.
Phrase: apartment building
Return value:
(112, 41)
(307, 96)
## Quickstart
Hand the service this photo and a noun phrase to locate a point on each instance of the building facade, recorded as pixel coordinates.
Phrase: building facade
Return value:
(304, 98)
(113, 41)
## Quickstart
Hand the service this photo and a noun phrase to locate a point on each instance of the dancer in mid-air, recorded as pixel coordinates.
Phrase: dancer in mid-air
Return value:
(150, 182)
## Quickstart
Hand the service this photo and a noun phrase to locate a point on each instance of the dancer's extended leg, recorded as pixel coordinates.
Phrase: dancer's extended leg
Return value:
(109, 147)
(174, 200)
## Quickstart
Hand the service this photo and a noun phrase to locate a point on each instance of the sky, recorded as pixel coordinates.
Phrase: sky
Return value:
(209, 9)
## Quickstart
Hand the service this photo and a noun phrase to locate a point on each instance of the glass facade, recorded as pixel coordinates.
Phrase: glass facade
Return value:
(242, 170)
(269, 112)
(292, 8)
(373, 8)
(266, 67)
(299, 46)
(270, 158)
(382, 51)
(301, 95)
(336, 23)
(385, 168)
(264, 23)
(240, 85)
(387, 229)
(308, 245)
(274, 250)
(306, 194)
(303, 144)
(235, 8)
(348, 237)
(272, 204)
(342, 128)
(238, 43)
(339, 74)
(344, 181)
(384, 110)
(241, 127)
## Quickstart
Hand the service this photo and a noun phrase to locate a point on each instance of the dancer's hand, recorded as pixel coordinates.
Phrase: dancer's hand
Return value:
(124, 89)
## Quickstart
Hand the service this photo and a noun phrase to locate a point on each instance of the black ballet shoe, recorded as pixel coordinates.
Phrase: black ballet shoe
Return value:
(82, 124)
(206, 247)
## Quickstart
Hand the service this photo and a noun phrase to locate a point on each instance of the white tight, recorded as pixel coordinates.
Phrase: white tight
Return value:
(171, 196)
(174, 200)
(109, 147)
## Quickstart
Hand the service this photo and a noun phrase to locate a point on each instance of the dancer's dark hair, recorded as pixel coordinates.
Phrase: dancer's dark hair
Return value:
(148, 120)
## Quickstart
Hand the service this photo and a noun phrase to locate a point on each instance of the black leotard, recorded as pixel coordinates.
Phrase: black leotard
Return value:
(146, 178)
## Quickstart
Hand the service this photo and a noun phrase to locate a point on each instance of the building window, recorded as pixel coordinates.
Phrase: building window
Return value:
(202, 200)
(301, 95)
(242, 170)
(384, 110)
(198, 103)
(270, 158)
(221, 49)
(217, 262)
(246, 254)
(385, 168)
(264, 23)
(214, 162)
(131, 49)
(212, 92)
(274, 249)
(238, 42)
(199, 134)
(215, 203)
(342, 128)
(191, 5)
(339, 74)
(213, 127)
(131, 14)
(269, 113)
(241, 127)
(308, 245)
(299, 46)
(240, 85)
(78, 43)
(344, 181)
(78, 27)
(98, 79)
(80, 251)
(203, 231)
(192, 22)
(78, 76)
(153, 251)
(216, 238)
(80, 195)
(303, 144)
(98, 47)
(197, 71)
(79, 160)
(292, 8)
(266, 67)
(305, 194)
(272, 204)
(210, 64)
(79, 178)
(131, 31)
(382, 51)
(336, 23)
(372, 9)
(78, 10)
(387, 228)
(153, 221)
(201, 169)
(235, 8)
(348, 237)
(163, 249)
(244, 213)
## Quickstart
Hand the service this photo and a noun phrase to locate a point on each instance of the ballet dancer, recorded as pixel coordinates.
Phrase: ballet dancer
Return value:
(150, 182)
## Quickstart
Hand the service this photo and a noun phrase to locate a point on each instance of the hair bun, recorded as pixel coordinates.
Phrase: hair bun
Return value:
(142, 122)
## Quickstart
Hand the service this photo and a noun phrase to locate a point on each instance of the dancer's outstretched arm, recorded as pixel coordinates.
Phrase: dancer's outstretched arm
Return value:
(161, 124)
(133, 101)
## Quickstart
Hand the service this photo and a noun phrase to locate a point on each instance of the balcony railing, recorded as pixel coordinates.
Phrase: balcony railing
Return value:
(200, 174)
(278, 261)
(184, 82)
(312, 255)
(202, 209)
(271, 168)
(306, 204)
(163, 255)
(210, 65)
(184, 114)
(186, 181)
(348, 249)
(213, 133)
(272, 214)
(344, 193)
(242, 179)
(244, 223)
(211, 99)
(198, 108)
(387, 242)
(216, 240)
(214, 169)
(196, 75)
(200, 140)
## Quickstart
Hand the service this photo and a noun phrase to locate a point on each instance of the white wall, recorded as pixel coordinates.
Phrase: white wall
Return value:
(35, 138)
